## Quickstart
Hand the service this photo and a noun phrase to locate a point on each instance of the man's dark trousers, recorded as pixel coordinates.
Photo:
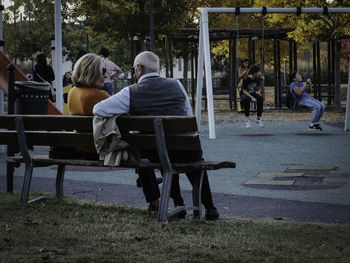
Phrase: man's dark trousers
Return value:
(245, 101)
(150, 186)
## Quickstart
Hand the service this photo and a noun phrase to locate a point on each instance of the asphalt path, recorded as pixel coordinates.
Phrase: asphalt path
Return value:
(284, 171)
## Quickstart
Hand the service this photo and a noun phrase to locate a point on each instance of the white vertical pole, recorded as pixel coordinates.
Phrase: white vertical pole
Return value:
(199, 75)
(58, 57)
(347, 114)
(208, 78)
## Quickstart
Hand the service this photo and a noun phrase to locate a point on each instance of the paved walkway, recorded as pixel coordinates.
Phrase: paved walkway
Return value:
(284, 171)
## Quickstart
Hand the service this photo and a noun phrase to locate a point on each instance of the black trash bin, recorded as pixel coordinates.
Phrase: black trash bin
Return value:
(31, 97)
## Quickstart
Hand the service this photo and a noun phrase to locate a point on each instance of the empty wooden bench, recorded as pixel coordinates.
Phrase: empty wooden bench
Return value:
(160, 133)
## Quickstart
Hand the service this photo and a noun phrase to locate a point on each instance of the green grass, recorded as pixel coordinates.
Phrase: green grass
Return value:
(75, 231)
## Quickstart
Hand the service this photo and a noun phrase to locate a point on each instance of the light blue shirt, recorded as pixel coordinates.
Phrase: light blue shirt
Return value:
(120, 103)
(298, 85)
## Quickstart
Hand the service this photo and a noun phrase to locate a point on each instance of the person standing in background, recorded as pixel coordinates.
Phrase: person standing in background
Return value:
(113, 70)
(44, 72)
(67, 79)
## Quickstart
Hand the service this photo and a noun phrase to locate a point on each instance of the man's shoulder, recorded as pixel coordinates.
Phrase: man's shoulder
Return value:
(152, 79)
(159, 78)
(132, 86)
(169, 79)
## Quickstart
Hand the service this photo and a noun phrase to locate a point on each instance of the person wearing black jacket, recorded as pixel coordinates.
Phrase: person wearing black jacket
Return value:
(250, 86)
(43, 72)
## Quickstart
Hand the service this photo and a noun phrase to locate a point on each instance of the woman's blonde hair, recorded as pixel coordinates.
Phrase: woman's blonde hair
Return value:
(87, 70)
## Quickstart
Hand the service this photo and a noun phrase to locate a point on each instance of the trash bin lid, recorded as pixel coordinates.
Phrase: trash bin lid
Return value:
(33, 85)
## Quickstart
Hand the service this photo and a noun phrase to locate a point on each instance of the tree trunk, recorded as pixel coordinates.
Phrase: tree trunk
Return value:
(166, 56)
(143, 33)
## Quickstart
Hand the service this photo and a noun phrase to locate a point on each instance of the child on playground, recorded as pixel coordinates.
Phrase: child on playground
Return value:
(298, 88)
(248, 93)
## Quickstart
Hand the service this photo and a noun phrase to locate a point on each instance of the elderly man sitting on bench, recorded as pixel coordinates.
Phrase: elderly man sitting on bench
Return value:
(154, 95)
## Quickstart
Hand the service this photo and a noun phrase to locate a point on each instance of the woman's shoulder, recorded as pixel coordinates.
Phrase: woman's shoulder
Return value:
(87, 92)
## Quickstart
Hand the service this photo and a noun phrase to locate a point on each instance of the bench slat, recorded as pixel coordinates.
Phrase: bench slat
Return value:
(185, 142)
(84, 123)
(145, 123)
(179, 167)
(8, 137)
(42, 138)
(49, 122)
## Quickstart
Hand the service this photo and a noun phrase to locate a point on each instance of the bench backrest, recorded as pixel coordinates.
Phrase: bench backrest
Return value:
(138, 131)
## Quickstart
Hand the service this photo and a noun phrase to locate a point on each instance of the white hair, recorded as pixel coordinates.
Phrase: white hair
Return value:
(148, 60)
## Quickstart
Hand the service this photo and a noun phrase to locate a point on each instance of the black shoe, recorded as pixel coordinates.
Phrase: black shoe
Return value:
(211, 214)
(139, 184)
(181, 214)
(316, 126)
(153, 208)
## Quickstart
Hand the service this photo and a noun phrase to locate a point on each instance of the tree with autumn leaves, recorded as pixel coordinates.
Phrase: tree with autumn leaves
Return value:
(114, 24)
(95, 23)
(312, 27)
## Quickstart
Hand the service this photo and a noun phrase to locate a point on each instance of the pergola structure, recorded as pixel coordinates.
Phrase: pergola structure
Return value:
(191, 36)
(204, 53)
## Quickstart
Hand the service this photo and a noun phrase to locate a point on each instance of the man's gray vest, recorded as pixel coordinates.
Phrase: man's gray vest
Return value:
(157, 96)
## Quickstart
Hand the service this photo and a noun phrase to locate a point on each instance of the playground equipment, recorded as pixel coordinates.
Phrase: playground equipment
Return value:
(204, 52)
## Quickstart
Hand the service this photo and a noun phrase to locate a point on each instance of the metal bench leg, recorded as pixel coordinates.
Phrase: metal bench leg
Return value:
(26, 183)
(23, 146)
(167, 168)
(59, 181)
(10, 168)
(196, 195)
(164, 198)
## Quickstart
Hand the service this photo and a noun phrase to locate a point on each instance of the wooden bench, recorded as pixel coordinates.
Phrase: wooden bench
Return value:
(160, 133)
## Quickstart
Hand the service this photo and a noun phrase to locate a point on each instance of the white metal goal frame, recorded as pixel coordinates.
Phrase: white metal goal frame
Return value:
(204, 55)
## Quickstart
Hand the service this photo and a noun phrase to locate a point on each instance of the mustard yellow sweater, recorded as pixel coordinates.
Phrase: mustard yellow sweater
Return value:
(81, 100)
